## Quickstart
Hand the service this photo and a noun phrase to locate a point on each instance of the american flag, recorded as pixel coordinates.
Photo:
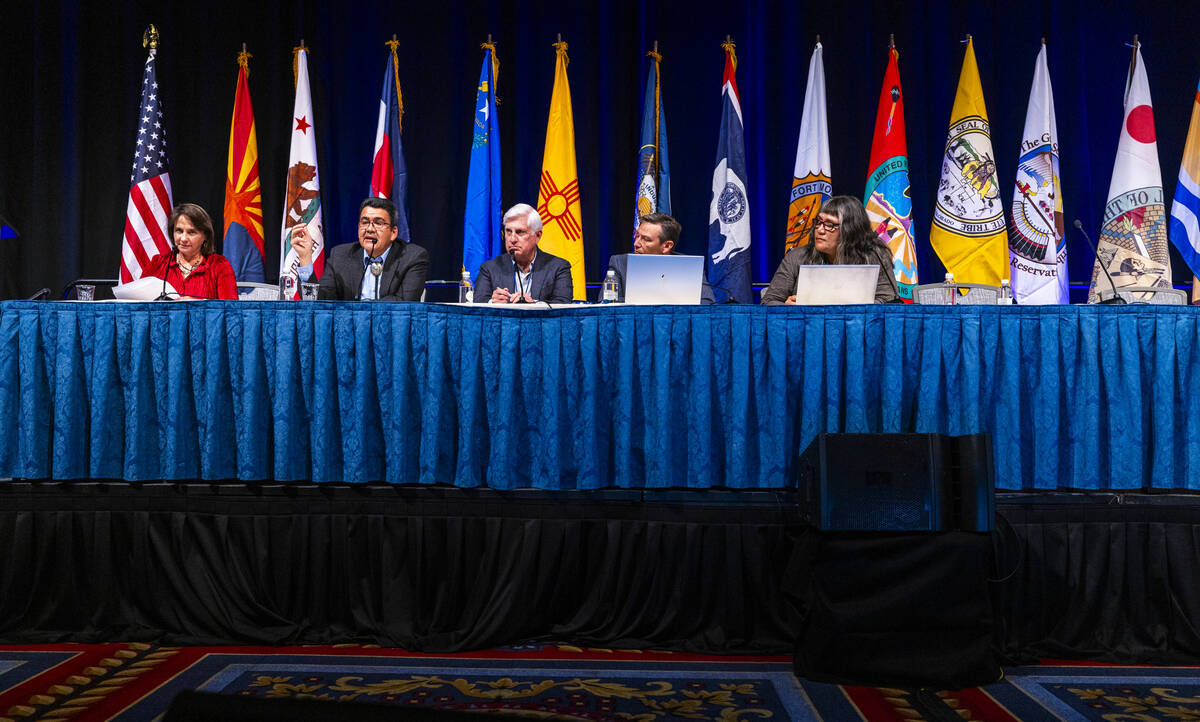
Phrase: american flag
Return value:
(149, 185)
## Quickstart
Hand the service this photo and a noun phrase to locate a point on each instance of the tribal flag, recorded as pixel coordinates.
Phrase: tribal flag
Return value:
(729, 211)
(654, 170)
(243, 196)
(1133, 239)
(302, 197)
(1037, 248)
(888, 198)
(1185, 210)
(389, 175)
(149, 204)
(968, 220)
(558, 193)
(481, 221)
(811, 181)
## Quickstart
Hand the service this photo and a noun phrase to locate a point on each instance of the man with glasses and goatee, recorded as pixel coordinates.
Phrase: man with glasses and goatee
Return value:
(381, 267)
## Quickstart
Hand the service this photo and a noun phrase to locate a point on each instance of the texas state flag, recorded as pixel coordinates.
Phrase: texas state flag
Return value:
(389, 175)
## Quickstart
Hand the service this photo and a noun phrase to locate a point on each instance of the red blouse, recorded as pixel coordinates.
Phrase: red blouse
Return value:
(213, 278)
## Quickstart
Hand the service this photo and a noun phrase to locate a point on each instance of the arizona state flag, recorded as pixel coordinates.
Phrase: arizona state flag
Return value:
(888, 196)
(558, 192)
(243, 196)
(811, 181)
(968, 221)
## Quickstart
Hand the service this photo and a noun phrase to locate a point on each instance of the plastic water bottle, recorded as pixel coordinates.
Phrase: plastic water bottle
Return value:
(951, 290)
(1006, 296)
(465, 292)
(611, 289)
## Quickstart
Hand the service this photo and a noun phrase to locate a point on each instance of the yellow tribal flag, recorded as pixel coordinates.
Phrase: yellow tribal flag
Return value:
(558, 191)
(968, 221)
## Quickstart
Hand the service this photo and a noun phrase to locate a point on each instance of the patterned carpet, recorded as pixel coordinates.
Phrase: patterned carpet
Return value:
(138, 682)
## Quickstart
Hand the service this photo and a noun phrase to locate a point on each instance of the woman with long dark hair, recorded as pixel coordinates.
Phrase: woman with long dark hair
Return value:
(841, 235)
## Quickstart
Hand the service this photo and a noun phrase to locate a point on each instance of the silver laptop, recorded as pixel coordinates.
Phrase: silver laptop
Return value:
(673, 279)
(836, 285)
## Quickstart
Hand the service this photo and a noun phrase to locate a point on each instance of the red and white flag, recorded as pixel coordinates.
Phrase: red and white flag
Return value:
(302, 197)
(150, 203)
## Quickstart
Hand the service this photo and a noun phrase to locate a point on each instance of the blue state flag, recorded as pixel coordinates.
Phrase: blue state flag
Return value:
(729, 212)
(654, 170)
(481, 220)
(1185, 211)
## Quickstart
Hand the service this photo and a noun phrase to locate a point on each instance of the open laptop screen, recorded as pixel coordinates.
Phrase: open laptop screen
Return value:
(836, 285)
(673, 279)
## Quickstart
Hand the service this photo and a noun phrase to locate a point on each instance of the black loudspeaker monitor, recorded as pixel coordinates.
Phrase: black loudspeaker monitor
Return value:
(897, 482)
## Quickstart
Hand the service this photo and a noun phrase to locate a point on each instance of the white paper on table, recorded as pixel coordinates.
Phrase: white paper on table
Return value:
(143, 289)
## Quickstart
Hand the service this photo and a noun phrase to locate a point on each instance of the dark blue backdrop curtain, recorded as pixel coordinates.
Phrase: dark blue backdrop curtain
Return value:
(70, 97)
(1075, 397)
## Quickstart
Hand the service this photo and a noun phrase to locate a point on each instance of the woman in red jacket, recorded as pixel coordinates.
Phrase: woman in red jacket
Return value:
(192, 266)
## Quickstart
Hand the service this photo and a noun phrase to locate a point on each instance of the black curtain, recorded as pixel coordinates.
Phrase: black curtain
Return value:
(419, 568)
(71, 71)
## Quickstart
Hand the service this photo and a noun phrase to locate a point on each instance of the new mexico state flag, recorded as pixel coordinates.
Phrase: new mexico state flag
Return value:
(968, 222)
(558, 191)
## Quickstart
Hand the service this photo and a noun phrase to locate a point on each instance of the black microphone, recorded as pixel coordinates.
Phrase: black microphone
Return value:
(1115, 299)
(164, 296)
(728, 294)
(517, 277)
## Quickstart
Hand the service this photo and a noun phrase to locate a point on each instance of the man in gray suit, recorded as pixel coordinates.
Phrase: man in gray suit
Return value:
(656, 234)
(523, 273)
(381, 267)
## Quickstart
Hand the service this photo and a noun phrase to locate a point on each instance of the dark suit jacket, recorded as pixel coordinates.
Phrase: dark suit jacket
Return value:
(619, 262)
(549, 279)
(403, 277)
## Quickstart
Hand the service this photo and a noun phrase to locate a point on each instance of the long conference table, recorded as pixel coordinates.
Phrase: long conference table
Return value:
(588, 397)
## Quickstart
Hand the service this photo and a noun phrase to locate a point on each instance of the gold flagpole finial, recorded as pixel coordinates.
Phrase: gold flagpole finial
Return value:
(392, 45)
(654, 52)
(244, 58)
(150, 37)
(491, 45)
(561, 48)
(730, 47)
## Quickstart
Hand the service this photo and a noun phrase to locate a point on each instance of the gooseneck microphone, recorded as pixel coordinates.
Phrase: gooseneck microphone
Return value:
(164, 296)
(1114, 299)
(517, 277)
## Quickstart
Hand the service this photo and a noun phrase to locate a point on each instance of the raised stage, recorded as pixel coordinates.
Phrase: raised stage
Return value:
(588, 397)
(1097, 576)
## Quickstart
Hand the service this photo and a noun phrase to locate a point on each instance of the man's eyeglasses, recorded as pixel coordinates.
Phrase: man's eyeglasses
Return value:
(377, 222)
(830, 227)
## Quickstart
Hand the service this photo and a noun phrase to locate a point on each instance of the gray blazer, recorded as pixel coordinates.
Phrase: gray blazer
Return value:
(783, 283)
(403, 277)
(619, 263)
(549, 279)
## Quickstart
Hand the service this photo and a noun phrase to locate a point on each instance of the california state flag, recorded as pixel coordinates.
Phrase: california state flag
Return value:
(558, 191)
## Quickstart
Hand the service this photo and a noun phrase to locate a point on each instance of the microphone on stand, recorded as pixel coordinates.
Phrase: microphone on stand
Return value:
(1114, 299)
(517, 277)
(376, 268)
(164, 296)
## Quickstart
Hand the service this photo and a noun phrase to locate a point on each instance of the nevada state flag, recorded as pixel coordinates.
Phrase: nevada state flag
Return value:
(729, 211)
